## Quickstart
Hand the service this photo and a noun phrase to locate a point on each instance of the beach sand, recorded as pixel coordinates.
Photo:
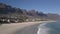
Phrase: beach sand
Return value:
(10, 28)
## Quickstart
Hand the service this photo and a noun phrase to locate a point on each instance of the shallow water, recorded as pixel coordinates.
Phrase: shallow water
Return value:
(49, 28)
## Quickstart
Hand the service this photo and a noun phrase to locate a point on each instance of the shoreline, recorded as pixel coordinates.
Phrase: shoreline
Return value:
(8, 28)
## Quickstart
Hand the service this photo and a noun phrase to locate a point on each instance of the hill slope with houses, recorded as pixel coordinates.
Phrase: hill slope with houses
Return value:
(9, 12)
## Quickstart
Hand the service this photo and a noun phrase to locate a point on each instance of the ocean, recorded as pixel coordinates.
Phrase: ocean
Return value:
(49, 28)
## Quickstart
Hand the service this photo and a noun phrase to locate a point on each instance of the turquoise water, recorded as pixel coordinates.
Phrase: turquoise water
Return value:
(49, 28)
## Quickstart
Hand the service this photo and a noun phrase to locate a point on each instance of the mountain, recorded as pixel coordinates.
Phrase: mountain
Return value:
(53, 16)
(7, 10)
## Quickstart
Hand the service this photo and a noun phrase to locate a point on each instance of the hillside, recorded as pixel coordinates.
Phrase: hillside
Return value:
(9, 11)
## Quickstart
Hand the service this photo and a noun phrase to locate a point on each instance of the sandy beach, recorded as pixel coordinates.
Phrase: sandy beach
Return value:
(10, 28)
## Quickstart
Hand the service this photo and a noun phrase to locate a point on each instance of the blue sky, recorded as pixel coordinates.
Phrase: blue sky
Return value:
(46, 6)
